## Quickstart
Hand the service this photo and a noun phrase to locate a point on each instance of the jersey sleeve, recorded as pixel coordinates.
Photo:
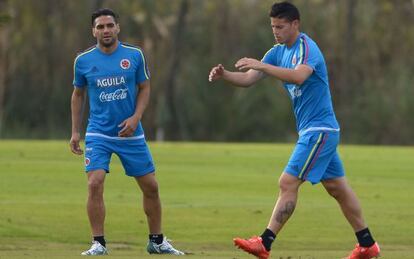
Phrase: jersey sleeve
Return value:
(79, 79)
(309, 54)
(142, 72)
(271, 57)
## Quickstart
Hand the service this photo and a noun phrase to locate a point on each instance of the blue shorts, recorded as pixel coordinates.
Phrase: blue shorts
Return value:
(134, 155)
(315, 158)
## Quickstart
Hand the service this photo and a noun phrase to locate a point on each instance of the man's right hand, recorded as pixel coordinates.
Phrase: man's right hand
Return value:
(216, 73)
(74, 144)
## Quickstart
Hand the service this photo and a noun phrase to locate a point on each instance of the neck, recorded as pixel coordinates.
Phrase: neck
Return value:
(109, 49)
(293, 39)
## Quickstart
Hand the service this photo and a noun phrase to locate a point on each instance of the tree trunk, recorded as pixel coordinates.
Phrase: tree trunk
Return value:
(349, 48)
(172, 126)
(4, 38)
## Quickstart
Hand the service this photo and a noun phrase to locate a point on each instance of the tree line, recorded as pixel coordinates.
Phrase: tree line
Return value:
(368, 47)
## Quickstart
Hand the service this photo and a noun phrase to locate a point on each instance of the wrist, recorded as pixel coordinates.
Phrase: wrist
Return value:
(262, 67)
(137, 117)
(75, 132)
(225, 74)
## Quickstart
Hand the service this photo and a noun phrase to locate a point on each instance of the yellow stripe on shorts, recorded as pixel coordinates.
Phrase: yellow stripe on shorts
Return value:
(311, 155)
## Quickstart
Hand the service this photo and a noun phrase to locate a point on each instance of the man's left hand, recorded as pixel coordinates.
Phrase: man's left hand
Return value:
(249, 63)
(128, 127)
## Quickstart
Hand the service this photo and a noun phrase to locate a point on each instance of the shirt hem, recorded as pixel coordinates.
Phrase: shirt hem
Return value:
(91, 134)
(301, 132)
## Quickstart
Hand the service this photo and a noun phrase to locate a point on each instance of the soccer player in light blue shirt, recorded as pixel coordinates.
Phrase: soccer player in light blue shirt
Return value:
(297, 61)
(115, 75)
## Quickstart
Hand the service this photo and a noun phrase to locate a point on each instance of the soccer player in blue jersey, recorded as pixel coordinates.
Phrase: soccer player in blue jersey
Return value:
(116, 78)
(297, 61)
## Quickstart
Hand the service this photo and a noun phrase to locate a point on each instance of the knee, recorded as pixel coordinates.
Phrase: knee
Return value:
(95, 185)
(287, 185)
(151, 191)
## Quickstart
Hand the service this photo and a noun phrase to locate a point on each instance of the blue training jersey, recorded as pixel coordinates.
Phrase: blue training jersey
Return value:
(311, 101)
(111, 81)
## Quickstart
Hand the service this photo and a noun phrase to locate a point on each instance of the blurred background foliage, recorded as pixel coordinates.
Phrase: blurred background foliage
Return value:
(368, 46)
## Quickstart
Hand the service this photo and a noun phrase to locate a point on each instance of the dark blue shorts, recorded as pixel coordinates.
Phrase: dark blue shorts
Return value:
(315, 157)
(134, 155)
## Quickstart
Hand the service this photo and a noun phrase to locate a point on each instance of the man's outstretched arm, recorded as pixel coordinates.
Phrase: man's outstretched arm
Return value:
(240, 79)
(296, 76)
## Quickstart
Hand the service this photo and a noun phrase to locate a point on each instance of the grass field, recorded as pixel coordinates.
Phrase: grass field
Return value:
(210, 193)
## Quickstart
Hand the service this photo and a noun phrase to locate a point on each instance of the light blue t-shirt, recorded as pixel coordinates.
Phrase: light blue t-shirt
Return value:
(311, 101)
(111, 81)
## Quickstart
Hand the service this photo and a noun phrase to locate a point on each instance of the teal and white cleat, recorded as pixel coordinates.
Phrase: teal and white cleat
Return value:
(96, 249)
(164, 248)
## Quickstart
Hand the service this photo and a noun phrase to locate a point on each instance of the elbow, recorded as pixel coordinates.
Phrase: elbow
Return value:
(298, 81)
(243, 84)
(76, 97)
(247, 85)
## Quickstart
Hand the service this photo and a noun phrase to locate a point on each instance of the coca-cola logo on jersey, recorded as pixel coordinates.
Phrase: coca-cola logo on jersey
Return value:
(119, 94)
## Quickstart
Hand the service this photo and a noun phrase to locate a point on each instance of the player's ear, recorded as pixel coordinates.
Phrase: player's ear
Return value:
(118, 28)
(296, 23)
(93, 32)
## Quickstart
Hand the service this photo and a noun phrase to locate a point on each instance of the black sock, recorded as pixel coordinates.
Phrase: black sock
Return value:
(267, 238)
(156, 238)
(364, 238)
(100, 239)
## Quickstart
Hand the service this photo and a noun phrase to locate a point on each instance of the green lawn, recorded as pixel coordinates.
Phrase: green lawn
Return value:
(210, 193)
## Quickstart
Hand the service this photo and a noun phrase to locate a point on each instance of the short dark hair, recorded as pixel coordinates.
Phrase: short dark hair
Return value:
(285, 10)
(104, 11)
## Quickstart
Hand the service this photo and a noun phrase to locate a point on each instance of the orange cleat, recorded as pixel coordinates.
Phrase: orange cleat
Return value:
(253, 246)
(365, 252)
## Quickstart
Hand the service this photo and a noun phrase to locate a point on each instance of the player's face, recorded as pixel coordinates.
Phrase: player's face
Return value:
(105, 30)
(284, 30)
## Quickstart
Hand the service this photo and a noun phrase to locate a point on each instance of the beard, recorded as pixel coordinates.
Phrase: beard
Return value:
(107, 43)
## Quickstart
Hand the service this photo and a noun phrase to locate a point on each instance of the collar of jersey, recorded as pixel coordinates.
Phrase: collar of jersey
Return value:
(109, 54)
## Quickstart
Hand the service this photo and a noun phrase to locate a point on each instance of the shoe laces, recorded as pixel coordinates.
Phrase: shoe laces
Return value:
(95, 245)
(166, 244)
